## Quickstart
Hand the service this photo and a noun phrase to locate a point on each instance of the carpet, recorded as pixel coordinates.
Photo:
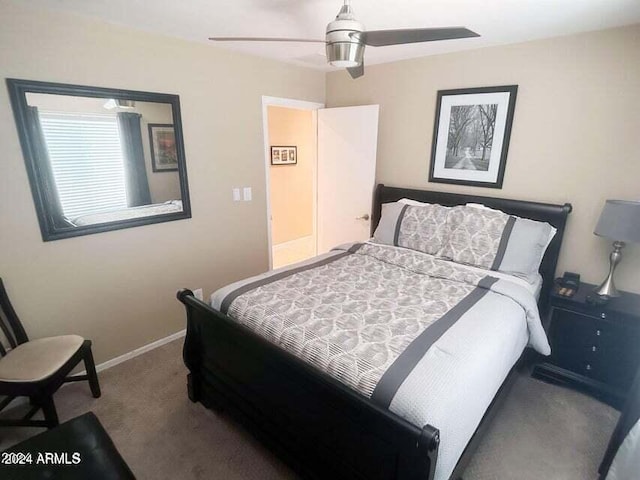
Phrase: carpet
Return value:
(542, 431)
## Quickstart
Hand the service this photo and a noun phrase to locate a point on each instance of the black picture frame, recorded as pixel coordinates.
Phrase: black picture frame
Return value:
(41, 189)
(156, 163)
(282, 154)
(496, 164)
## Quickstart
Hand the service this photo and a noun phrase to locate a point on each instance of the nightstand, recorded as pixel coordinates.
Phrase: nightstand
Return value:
(595, 349)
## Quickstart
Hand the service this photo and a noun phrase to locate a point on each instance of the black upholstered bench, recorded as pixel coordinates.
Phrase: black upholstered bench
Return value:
(77, 449)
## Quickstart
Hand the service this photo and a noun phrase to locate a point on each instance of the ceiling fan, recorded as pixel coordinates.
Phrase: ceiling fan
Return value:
(346, 39)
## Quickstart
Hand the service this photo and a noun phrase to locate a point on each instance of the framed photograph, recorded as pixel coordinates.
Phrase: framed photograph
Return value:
(164, 155)
(471, 135)
(284, 155)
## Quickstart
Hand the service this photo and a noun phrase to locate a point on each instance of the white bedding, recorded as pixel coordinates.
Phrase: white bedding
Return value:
(533, 284)
(454, 383)
(455, 389)
(460, 376)
(171, 206)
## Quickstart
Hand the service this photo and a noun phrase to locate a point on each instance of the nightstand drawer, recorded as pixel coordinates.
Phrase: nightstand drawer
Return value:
(619, 356)
(595, 348)
(610, 351)
(575, 340)
(590, 369)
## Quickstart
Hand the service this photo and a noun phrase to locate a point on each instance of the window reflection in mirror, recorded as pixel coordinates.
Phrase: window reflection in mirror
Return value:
(102, 161)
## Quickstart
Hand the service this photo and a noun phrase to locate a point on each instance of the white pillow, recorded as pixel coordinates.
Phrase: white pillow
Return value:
(491, 239)
(552, 233)
(413, 203)
(420, 227)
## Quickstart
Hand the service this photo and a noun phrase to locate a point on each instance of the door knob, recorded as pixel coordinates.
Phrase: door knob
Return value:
(363, 217)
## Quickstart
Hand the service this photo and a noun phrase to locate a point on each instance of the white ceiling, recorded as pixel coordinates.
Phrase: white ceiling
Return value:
(497, 21)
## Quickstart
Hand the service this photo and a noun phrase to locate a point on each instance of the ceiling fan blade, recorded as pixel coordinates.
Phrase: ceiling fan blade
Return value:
(356, 72)
(263, 39)
(381, 38)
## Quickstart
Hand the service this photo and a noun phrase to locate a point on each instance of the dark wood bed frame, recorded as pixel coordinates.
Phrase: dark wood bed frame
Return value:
(320, 427)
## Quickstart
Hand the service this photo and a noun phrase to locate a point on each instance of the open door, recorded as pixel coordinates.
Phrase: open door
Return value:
(347, 146)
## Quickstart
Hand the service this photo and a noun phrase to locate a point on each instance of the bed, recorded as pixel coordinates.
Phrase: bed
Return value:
(142, 211)
(375, 409)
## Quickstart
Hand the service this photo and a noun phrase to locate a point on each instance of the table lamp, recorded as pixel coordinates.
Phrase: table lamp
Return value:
(620, 222)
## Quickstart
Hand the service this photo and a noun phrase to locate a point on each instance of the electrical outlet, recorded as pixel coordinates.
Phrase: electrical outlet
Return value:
(236, 194)
(198, 294)
(247, 194)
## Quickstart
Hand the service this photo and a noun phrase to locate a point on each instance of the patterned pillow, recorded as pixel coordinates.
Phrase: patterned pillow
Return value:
(493, 240)
(422, 228)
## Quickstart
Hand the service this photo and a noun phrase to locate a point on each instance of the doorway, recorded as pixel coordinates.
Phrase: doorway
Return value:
(320, 197)
(291, 165)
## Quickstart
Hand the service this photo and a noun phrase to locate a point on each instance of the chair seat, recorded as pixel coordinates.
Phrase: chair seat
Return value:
(38, 359)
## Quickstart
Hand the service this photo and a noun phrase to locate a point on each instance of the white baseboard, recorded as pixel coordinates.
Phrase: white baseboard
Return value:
(139, 351)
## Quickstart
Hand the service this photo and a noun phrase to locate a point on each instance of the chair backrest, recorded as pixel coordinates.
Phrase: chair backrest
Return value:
(12, 333)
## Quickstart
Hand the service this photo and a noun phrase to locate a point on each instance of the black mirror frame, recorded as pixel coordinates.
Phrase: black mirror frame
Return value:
(17, 94)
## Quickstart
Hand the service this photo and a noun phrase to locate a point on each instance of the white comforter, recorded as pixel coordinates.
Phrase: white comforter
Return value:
(453, 384)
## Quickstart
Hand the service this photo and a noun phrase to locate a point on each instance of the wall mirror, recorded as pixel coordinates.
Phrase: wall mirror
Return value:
(100, 159)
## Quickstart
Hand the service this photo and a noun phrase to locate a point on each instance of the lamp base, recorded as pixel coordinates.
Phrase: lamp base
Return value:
(608, 287)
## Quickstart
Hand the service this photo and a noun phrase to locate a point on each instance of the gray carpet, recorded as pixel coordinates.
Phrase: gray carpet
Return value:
(543, 431)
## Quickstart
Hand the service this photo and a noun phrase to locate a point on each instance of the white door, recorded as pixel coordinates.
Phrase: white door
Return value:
(347, 144)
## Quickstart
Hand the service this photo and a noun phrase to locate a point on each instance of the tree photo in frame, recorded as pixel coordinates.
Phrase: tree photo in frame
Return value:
(162, 140)
(471, 135)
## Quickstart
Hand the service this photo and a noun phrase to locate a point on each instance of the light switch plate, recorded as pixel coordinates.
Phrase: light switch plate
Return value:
(236, 194)
(247, 194)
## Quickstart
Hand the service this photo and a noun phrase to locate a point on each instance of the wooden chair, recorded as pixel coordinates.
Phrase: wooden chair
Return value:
(37, 368)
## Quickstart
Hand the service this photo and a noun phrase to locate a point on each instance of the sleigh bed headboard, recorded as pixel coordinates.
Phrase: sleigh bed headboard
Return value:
(555, 215)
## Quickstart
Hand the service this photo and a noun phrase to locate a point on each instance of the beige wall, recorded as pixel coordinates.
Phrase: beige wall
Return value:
(575, 132)
(292, 185)
(118, 288)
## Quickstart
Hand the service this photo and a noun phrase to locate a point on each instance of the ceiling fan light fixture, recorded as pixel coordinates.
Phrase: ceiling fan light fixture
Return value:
(344, 64)
(345, 48)
(125, 103)
(345, 55)
(119, 103)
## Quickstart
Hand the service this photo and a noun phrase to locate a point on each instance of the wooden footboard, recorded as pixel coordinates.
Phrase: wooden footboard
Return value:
(320, 427)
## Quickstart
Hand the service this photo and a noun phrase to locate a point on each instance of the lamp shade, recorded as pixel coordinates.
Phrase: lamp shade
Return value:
(620, 221)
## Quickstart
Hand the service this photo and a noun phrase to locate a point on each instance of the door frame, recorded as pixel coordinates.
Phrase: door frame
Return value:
(298, 105)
